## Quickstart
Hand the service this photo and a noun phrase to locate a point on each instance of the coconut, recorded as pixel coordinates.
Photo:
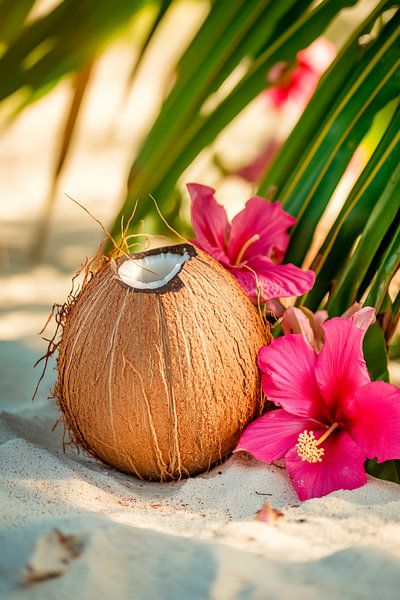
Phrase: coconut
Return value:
(157, 365)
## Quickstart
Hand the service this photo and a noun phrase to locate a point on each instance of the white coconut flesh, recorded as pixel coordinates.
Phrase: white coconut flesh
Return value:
(152, 271)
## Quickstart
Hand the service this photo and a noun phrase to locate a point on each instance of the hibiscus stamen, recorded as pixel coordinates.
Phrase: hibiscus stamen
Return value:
(254, 238)
(308, 446)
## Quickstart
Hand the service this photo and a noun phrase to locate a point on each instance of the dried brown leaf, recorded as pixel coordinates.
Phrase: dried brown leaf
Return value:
(268, 514)
(51, 556)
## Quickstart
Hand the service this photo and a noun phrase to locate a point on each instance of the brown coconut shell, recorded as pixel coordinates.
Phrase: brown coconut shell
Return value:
(161, 383)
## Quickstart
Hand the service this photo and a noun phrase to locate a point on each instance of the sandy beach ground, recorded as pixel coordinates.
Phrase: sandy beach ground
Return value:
(192, 539)
(71, 527)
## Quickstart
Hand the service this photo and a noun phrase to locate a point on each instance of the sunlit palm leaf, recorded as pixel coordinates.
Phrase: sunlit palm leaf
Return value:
(161, 162)
(354, 214)
(79, 87)
(220, 38)
(381, 219)
(161, 11)
(375, 84)
(386, 271)
(287, 163)
(13, 16)
(59, 43)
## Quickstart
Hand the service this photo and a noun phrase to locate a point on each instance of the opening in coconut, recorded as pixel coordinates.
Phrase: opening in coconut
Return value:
(153, 270)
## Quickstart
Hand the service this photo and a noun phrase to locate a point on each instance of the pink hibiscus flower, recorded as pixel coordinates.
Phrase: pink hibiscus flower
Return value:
(298, 82)
(332, 418)
(293, 86)
(252, 246)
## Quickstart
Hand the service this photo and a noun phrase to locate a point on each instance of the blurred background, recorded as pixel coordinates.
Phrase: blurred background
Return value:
(83, 83)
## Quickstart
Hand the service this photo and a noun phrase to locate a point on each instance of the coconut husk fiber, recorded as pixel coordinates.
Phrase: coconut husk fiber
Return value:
(160, 383)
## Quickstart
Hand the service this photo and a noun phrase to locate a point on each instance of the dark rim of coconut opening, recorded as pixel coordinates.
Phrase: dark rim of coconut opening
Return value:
(154, 271)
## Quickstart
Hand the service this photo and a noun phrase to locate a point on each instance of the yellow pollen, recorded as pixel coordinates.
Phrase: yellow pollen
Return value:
(308, 447)
(250, 241)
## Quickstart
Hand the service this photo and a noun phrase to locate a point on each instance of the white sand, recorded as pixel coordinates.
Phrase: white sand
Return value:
(193, 539)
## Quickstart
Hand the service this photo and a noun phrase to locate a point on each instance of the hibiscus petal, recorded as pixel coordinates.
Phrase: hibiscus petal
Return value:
(364, 317)
(295, 321)
(308, 324)
(266, 219)
(275, 281)
(375, 420)
(288, 379)
(271, 436)
(320, 316)
(247, 280)
(361, 317)
(276, 307)
(340, 367)
(352, 310)
(209, 221)
(341, 468)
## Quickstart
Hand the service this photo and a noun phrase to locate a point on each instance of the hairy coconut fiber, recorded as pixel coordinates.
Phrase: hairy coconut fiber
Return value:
(160, 382)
